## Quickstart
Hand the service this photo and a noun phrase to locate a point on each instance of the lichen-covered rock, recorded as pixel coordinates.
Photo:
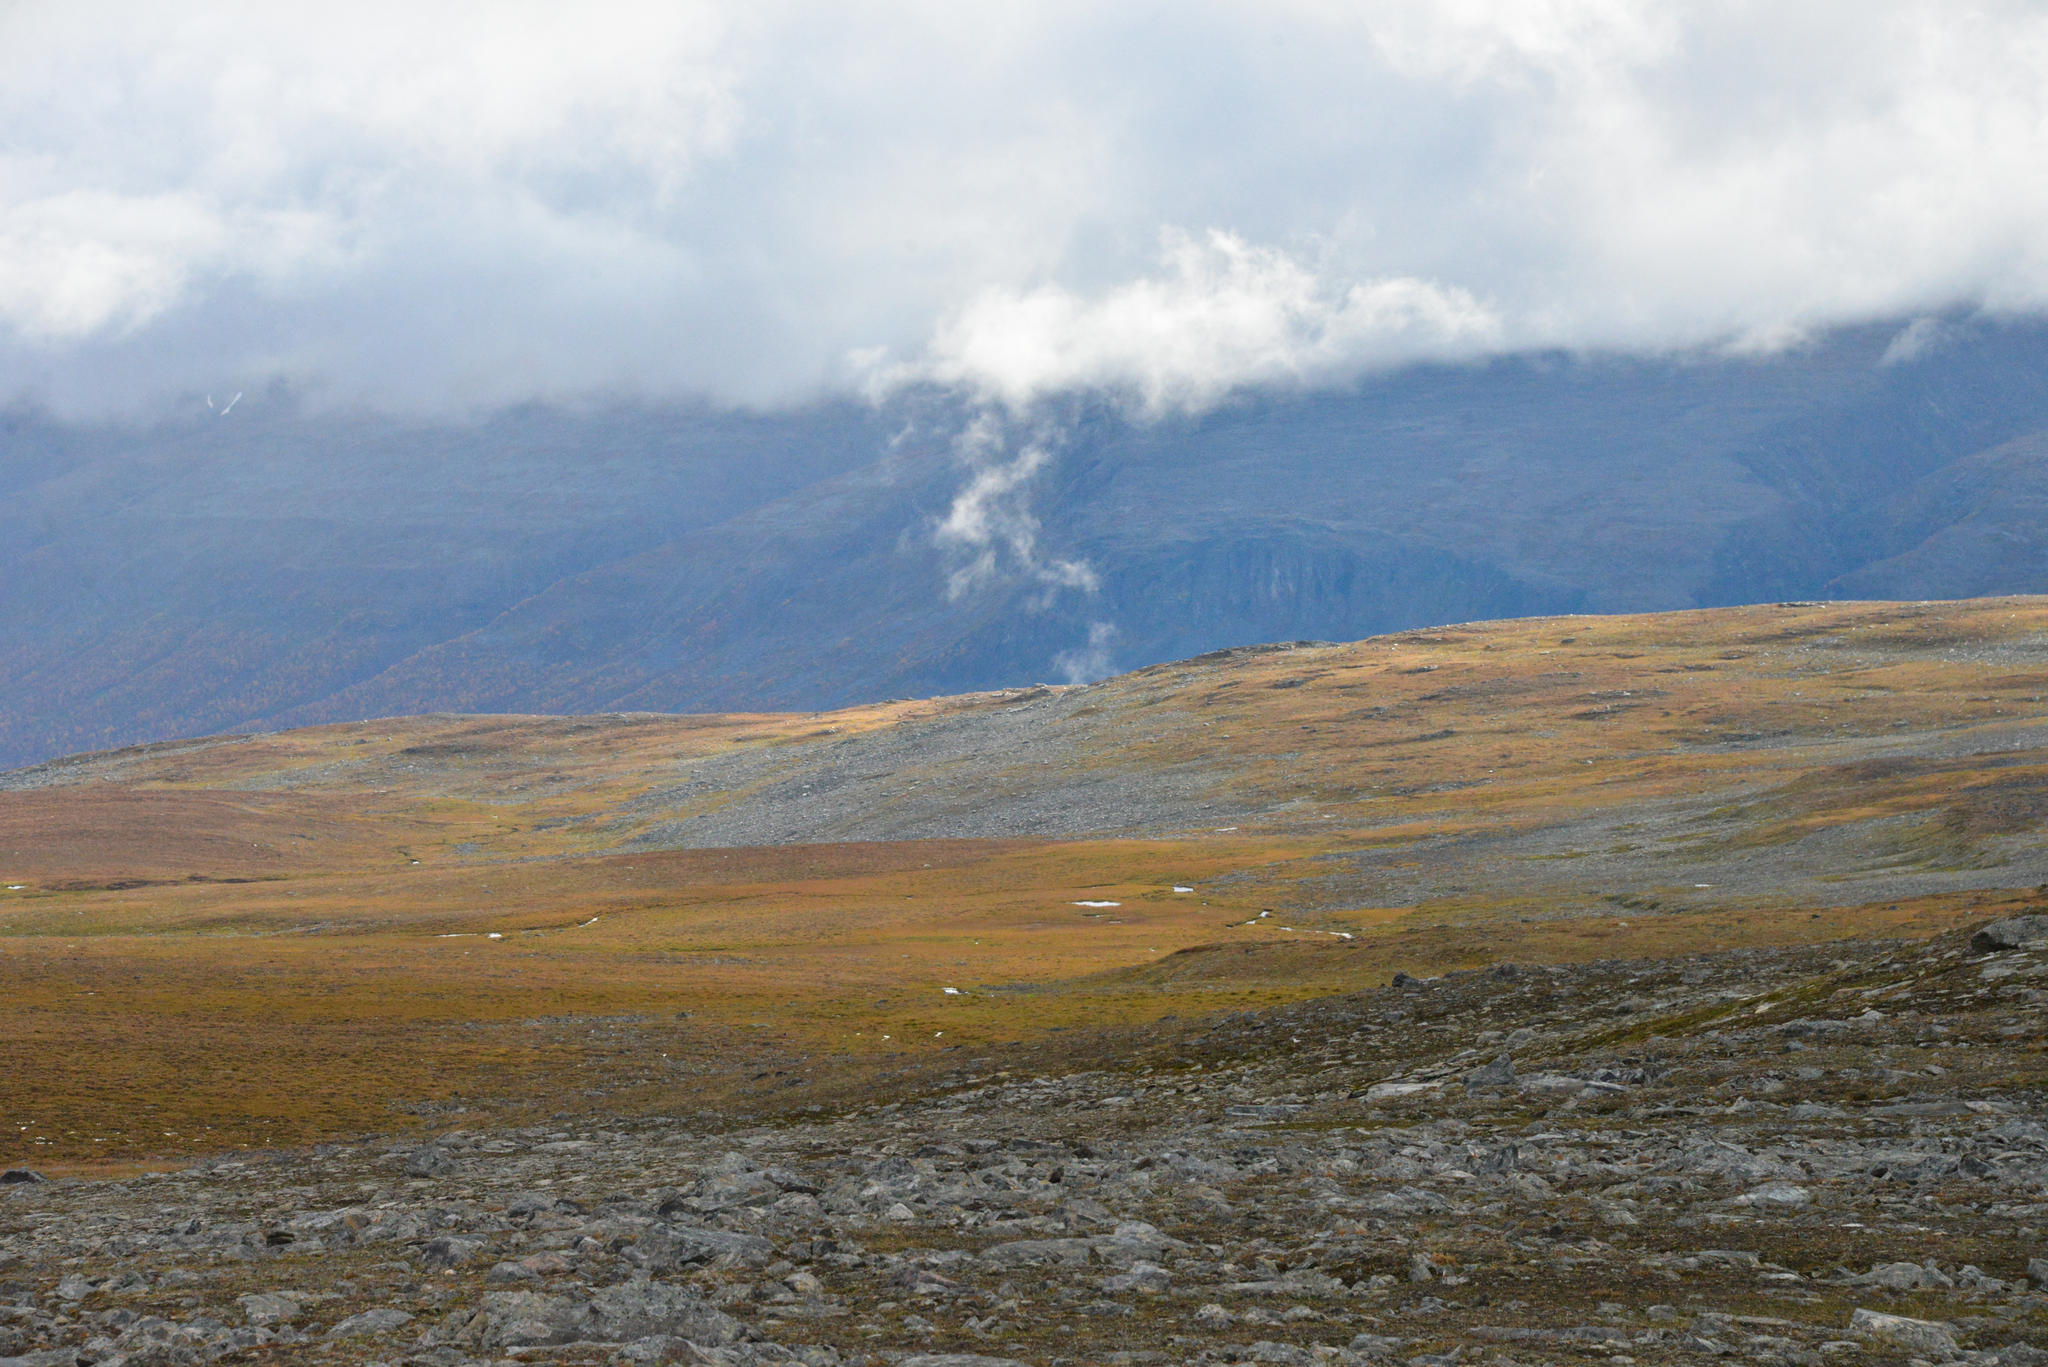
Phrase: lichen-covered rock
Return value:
(1931, 1337)
(382, 1320)
(638, 1309)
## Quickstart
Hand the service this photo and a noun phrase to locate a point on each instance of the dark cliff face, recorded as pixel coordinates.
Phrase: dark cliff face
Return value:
(287, 567)
(1299, 581)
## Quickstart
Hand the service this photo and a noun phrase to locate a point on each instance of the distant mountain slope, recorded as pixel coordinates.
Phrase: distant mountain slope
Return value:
(1978, 521)
(281, 568)
(212, 574)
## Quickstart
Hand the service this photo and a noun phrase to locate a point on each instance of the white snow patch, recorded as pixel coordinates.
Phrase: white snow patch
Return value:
(1098, 904)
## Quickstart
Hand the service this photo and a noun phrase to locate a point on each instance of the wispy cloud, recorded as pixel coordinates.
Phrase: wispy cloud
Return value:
(1086, 664)
(989, 532)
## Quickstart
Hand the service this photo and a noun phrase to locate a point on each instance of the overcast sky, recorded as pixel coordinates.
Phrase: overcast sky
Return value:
(443, 207)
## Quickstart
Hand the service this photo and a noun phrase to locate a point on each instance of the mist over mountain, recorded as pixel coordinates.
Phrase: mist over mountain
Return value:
(280, 567)
(719, 355)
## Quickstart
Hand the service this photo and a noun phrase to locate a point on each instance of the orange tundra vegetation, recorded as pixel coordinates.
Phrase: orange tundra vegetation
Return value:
(272, 939)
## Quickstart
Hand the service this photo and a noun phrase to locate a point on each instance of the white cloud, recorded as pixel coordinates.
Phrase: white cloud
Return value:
(467, 203)
(1223, 315)
(83, 261)
(1913, 341)
(1086, 664)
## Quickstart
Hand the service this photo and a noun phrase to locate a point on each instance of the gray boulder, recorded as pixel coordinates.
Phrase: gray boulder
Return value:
(430, 1161)
(921, 1281)
(627, 1313)
(1931, 1337)
(1905, 1277)
(2015, 932)
(1776, 1196)
(750, 1250)
(1033, 1252)
(638, 1310)
(379, 1321)
(2016, 1354)
(1498, 1075)
(1146, 1278)
(271, 1307)
(1377, 1345)
(448, 1251)
(680, 1245)
(1132, 1242)
(514, 1319)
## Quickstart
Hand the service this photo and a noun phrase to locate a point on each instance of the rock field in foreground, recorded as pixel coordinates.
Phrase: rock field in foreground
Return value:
(1831, 1155)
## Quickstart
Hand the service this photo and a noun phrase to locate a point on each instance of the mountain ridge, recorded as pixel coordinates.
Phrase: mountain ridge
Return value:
(284, 568)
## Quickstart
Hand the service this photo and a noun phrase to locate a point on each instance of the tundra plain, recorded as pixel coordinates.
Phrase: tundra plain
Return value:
(262, 940)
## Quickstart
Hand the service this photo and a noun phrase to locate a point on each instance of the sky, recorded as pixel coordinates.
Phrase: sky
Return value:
(431, 208)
